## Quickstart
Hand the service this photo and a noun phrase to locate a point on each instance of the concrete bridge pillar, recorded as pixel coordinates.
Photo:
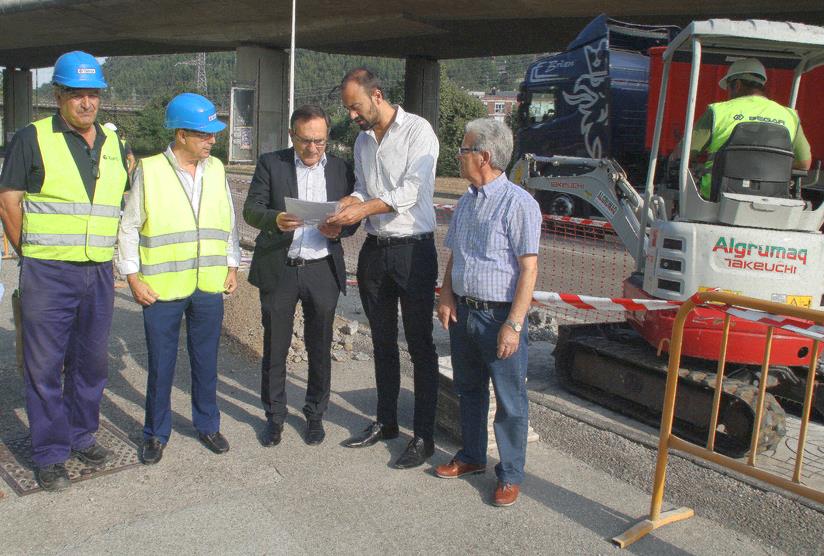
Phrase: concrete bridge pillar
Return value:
(17, 101)
(268, 70)
(422, 88)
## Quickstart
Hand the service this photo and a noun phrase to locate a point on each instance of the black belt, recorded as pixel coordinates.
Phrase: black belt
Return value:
(399, 240)
(481, 305)
(300, 261)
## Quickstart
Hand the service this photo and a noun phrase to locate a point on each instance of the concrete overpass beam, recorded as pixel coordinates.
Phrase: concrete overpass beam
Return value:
(17, 101)
(268, 70)
(422, 88)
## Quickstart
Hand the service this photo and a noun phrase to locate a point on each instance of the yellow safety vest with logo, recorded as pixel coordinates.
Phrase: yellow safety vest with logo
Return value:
(178, 252)
(60, 222)
(751, 108)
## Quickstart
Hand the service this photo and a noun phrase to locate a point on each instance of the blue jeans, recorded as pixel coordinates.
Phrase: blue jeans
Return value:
(474, 341)
(161, 320)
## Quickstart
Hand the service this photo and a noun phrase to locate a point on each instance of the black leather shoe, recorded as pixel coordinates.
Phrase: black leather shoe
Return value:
(314, 432)
(372, 434)
(271, 436)
(95, 455)
(152, 450)
(417, 452)
(215, 442)
(52, 477)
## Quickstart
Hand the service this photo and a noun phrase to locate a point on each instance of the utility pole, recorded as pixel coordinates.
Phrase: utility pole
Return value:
(202, 85)
(200, 71)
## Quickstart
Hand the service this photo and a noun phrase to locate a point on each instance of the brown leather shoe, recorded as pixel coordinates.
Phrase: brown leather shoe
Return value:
(456, 468)
(506, 494)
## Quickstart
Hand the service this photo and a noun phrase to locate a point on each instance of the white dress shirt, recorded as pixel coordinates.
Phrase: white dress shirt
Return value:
(134, 215)
(400, 171)
(308, 242)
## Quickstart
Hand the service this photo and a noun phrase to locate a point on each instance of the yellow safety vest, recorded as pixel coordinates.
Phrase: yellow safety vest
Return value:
(60, 223)
(751, 108)
(178, 253)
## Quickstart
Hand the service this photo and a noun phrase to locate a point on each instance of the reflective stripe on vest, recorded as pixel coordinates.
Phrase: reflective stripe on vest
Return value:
(59, 222)
(179, 254)
(727, 115)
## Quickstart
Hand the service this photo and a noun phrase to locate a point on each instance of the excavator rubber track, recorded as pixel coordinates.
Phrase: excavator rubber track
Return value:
(614, 367)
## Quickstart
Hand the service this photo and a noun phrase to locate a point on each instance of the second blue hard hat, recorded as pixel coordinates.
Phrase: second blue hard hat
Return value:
(191, 111)
(78, 70)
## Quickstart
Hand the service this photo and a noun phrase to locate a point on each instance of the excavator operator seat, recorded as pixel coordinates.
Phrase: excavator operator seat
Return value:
(757, 159)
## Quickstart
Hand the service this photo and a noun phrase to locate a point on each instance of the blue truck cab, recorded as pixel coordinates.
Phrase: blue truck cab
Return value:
(590, 101)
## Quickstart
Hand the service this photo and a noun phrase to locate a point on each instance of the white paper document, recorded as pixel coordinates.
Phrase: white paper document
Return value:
(312, 212)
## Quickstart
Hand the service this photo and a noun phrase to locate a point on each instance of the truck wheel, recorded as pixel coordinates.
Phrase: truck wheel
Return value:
(559, 205)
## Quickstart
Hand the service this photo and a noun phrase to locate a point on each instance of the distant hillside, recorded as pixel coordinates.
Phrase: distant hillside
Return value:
(147, 77)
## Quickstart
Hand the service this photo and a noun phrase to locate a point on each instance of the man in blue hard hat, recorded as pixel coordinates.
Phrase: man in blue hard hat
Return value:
(179, 251)
(60, 194)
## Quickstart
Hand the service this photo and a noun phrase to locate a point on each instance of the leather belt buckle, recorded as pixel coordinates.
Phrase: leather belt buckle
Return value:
(298, 261)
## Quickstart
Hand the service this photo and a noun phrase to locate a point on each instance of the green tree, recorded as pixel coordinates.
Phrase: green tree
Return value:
(148, 135)
(457, 107)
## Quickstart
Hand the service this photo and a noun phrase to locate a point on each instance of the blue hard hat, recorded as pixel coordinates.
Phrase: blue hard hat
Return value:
(78, 70)
(191, 111)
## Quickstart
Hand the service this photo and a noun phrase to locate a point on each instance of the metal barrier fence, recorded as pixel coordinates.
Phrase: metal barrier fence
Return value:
(577, 256)
(808, 323)
(8, 252)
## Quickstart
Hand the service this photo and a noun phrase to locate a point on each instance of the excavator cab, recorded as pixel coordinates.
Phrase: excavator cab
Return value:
(751, 180)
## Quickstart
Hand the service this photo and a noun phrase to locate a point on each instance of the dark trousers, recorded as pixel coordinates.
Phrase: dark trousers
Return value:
(315, 286)
(161, 320)
(388, 274)
(474, 343)
(66, 315)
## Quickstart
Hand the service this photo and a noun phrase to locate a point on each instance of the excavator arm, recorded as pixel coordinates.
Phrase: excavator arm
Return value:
(600, 182)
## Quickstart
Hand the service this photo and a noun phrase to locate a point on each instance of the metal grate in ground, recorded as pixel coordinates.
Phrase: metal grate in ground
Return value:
(17, 468)
(781, 460)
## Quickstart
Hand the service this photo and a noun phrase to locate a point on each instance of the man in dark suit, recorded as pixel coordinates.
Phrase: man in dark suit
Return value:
(293, 261)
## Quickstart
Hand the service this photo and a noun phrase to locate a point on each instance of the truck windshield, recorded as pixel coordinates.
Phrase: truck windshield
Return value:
(537, 107)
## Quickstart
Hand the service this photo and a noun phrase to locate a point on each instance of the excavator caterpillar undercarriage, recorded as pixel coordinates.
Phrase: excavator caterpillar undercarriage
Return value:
(613, 366)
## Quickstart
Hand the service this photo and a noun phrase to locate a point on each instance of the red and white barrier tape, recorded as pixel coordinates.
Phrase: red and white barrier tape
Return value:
(445, 208)
(603, 224)
(581, 221)
(591, 303)
(805, 328)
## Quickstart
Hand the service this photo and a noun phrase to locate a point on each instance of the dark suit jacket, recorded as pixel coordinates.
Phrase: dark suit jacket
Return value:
(276, 178)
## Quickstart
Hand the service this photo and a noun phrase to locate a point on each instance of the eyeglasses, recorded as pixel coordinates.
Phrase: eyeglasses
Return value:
(319, 143)
(93, 158)
(465, 150)
(199, 134)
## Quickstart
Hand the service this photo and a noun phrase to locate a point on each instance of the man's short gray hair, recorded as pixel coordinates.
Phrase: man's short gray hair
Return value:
(495, 137)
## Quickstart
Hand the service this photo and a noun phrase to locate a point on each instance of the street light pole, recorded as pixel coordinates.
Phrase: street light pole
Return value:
(292, 68)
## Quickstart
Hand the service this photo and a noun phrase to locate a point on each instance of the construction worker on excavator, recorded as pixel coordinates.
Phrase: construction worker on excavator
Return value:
(744, 82)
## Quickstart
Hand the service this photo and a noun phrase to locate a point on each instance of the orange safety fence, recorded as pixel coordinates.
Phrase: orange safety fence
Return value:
(805, 322)
(8, 252)
(576, 255)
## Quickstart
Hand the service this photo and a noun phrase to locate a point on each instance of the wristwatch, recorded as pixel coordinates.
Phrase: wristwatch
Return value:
(516, 326)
